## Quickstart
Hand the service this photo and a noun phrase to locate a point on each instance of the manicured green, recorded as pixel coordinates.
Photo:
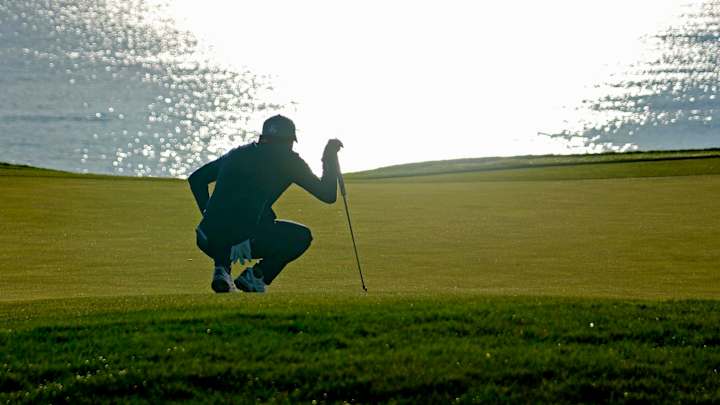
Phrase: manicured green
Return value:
(623, 237)
(562, 283)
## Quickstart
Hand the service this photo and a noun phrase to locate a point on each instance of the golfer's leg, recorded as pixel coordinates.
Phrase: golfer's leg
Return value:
(277, 244)
(221, 256)
(215, 249)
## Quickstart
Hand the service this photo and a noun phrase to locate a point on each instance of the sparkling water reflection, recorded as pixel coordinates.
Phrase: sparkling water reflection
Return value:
(113, 86)
(668, 99)
(116, 87)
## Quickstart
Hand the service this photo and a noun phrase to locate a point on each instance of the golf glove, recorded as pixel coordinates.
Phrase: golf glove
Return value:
(331, 149)
(241, 252)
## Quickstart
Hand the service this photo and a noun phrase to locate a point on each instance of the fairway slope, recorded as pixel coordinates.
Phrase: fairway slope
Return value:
(620, 230)
(556, 167)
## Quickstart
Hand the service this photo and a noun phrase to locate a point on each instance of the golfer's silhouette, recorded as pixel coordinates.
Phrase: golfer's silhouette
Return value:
(238, 221)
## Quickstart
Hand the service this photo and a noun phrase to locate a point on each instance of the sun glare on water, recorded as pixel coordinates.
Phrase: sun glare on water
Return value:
(159, 87)
(409, 81)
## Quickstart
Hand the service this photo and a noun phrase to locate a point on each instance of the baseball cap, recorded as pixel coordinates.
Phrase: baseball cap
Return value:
(277, 127)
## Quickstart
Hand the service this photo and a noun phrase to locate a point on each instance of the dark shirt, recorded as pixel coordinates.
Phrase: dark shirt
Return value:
(248, 181)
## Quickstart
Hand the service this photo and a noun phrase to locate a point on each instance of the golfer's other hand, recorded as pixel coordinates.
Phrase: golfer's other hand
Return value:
(332, 148)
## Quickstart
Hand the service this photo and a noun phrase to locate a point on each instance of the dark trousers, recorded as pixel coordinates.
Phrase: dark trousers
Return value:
(276, 243)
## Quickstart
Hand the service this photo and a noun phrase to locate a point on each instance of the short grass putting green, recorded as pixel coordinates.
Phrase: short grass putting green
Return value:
(572, 281)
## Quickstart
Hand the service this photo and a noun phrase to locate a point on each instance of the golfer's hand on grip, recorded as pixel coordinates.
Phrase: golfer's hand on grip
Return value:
(332, 148)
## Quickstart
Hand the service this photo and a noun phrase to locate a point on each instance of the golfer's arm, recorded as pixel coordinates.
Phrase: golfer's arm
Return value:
(324, 188)
(199, 182)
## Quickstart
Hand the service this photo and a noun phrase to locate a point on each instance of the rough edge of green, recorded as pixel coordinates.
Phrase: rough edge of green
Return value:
(489, 164)
(434, 167)
(19, 170)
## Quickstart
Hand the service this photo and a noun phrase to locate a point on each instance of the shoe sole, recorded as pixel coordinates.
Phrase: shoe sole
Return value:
(220, 286)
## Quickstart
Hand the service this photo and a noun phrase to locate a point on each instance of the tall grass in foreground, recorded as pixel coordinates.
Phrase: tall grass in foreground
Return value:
(334, 348)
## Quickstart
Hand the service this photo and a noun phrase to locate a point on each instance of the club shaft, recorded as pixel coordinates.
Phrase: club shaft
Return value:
(341, 183)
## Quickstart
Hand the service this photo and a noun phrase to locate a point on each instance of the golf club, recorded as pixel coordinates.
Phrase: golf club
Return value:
(341, 183)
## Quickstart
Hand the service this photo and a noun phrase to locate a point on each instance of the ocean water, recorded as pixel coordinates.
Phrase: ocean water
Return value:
(112, 87)
(667, 97)
(157, 88)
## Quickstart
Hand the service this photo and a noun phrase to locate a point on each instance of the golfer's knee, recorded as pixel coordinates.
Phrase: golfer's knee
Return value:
(300, 242)
(305, 238)
(296, 241)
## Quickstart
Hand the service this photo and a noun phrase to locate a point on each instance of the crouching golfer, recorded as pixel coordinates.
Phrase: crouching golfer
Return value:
(238, 222)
